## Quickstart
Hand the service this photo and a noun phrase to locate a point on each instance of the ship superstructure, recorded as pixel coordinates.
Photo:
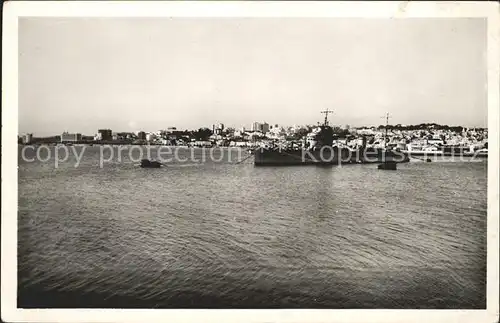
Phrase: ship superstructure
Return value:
(319, 149)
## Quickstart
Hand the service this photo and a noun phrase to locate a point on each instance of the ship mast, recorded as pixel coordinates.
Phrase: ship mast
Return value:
(386, 125)
(326, 112)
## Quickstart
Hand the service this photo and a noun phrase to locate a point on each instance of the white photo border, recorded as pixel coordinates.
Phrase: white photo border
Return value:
(15, 9)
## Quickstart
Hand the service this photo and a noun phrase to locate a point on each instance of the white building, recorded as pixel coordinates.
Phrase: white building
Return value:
(202, 143)
(261, 127)
(238, 144)
(218, 128)
(27, 138)
(70, 137)
(150, 137)
(255, 126)
(365, 131)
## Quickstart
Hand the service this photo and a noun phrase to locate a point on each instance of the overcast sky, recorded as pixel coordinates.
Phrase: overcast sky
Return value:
(148, 74)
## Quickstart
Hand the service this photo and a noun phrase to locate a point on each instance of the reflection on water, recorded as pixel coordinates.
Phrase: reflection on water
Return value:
(235, 235)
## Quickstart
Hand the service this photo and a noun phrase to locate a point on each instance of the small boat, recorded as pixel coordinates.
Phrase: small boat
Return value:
(388, 165)
(146, 163)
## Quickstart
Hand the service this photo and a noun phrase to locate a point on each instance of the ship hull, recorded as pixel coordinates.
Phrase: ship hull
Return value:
(330, 156)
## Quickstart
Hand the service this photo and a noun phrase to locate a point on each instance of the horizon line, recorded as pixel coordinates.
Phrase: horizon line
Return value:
(243, 127)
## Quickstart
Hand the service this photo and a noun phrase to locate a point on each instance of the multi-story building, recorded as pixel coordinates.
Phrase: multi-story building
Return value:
(124, 135)
(105, 134)
(255, 126)
(260, 127)
(151, 137)
(71, 137)
(27, 138)
(218, 128)
(264, 128)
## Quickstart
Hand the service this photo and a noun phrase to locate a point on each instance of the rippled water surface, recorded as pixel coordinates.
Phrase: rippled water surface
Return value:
(233, 235)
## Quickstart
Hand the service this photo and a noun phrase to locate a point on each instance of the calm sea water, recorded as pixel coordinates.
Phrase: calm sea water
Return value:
(233, 235)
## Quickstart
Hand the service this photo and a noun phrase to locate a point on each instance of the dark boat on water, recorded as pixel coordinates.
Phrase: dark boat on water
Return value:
(389, 165)
(146, 163)
(319, 149)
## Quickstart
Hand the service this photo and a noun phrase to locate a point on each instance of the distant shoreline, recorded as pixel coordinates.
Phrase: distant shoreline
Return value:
(455, 152)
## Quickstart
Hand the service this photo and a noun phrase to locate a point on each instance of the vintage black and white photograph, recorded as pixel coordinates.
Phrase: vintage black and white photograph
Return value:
(253, 162)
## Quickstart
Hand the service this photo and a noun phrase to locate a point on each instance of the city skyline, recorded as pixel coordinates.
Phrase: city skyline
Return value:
(226, 127)
(135, 74)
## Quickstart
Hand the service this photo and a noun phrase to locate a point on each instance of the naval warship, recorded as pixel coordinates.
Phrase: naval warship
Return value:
(319, 148)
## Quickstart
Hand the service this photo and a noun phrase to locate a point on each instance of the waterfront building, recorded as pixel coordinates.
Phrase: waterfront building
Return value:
(27, 138)
(260, 127)
(105, 134)
(125, 135)
(202, 143)
(170, 130)
(71, 137)
(171, 137)
(365, 131)
(255, 135)
(264, 127)
(216, 137)
(255, 126)
(141, 135)
(218, 128)
(435, 140)
(229, 131)
(150, 137)
(167, 142)
(239, 144)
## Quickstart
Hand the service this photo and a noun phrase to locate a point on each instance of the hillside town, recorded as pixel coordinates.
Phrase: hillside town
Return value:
(421, 137)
